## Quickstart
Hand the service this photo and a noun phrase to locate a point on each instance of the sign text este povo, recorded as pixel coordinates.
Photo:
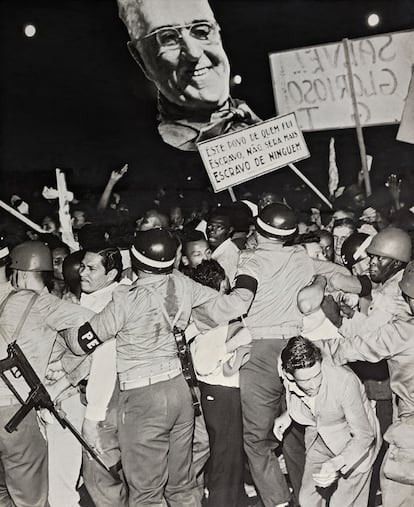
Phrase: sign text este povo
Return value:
(246, 154)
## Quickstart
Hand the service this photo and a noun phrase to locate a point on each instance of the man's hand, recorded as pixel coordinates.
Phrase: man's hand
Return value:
(327, 475)
(54, 372)
(241, 338)
(346, 310)
(331, 310)
(394, 186)
(118, 173)
(55, 389)
(281, 424)
(91, 434)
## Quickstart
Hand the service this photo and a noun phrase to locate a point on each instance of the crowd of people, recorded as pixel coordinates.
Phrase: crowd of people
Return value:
(298, 324)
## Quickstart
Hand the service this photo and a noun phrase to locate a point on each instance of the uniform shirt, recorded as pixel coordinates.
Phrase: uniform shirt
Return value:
(394, 342)
(378, 312)
(47, 317)
(5, 288)
(145, 343)
(227, 255)
(281, 272)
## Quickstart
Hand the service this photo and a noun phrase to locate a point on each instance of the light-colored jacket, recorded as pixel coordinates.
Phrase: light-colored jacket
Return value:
(343, 417)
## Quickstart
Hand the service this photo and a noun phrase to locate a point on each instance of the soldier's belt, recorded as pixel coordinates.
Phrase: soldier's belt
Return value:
(147, 381)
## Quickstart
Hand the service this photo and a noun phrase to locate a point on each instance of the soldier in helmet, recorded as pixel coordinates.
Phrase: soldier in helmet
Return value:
(393, 342)
(389, 252)
(282, 271)
(155, 412)
(32, 317)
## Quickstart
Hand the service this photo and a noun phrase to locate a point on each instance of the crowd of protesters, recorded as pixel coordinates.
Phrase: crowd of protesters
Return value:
(298, 321)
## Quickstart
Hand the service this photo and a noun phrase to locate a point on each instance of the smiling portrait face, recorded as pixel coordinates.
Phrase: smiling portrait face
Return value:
(178, 45)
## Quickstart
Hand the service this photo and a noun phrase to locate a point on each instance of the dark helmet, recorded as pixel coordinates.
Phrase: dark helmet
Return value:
(153, 251)
(407, 281)
(392, 243)
(31, 256)
(276, 220)
(70, 269)
(354, 248)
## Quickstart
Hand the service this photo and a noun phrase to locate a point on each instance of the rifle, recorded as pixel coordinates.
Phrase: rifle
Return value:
(184, 354)
(17, 363)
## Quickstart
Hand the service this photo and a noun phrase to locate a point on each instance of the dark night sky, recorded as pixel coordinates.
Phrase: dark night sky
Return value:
(72, 97)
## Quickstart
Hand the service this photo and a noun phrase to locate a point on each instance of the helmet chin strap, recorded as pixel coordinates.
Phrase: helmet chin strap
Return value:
(390, 271)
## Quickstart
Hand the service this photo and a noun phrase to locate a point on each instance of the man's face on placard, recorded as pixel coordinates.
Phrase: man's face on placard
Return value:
(187, 63)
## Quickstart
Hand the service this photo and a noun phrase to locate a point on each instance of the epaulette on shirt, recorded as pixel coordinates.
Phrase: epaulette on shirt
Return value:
(245, 257)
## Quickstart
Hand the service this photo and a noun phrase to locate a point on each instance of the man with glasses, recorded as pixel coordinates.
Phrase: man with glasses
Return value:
(177, 44)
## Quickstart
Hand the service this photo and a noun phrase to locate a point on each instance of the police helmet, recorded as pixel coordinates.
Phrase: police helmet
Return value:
(354, 248)
(153, 251)
(31, 256)
(276, 221)
(393, 243)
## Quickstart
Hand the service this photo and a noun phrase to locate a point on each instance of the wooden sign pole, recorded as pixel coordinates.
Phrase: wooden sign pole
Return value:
(360, 135)
(311, 185)
(21, 217)
(232, 194)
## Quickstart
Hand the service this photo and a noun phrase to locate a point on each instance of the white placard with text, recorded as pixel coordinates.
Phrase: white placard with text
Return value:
(246, 154)
(313, 81)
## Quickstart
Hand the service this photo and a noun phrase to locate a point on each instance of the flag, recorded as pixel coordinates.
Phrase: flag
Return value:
(333, 169)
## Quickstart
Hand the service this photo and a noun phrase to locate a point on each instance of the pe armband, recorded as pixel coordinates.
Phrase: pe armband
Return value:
(366, 285)
(87, 338)
(246, 282)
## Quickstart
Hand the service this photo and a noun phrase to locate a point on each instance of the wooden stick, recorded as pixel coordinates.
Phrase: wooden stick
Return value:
(232, 194)
(64, 214)
(21, 217)
(360, 135)
(311, 185)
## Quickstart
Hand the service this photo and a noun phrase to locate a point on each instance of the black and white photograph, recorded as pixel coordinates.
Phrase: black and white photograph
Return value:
(207, 253)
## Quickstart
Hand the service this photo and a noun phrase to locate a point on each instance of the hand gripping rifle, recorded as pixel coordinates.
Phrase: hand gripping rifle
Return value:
(17, 363)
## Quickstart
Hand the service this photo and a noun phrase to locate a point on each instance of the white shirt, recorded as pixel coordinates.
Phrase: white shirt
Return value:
(227, 255)
(209, 354)
(102, 376)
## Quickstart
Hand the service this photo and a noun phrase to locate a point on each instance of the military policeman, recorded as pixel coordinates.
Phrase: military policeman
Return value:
(155, 412)
(32, 317)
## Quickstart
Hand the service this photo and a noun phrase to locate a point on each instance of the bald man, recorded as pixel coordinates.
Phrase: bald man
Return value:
(178, 45)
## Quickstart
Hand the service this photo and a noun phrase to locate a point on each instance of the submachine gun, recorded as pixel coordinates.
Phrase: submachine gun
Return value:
(17, 363)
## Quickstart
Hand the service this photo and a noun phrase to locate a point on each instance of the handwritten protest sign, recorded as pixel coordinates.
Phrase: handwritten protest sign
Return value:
(406, 130)
(313, 81)
(246, 154)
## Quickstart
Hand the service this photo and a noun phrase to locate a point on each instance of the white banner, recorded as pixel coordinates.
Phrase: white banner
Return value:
(313, 82)
(246, 154)
(406, 130)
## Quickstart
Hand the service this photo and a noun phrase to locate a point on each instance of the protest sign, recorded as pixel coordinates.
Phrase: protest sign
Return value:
(246, 154)
(406, 130)
(313, 82)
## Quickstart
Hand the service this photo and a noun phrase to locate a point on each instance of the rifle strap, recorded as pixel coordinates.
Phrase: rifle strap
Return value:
(22, 318)
(163, 309)
(196, 402)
